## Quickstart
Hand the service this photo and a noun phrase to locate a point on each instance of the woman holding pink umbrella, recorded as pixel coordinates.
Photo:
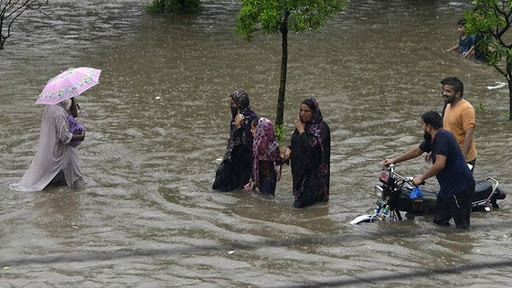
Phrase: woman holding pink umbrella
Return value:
(56, 160)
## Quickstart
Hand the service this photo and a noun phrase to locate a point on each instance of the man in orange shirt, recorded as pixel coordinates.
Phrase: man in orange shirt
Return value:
(459, 117)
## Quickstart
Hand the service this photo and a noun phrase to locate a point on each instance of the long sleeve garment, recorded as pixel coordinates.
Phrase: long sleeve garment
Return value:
(53, 155)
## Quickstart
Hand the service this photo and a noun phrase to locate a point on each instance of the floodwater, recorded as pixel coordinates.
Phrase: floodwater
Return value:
(158, 121)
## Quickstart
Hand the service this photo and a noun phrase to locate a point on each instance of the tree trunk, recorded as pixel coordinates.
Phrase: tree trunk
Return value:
(509, 80)
(284, 64)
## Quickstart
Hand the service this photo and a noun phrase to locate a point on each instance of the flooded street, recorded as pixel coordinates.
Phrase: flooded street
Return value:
(159, 119)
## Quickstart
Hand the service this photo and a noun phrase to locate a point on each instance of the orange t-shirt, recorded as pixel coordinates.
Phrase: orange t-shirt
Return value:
(458, 119)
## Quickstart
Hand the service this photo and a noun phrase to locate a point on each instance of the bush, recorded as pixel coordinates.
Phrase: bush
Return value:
(279, 132)
(174, 6)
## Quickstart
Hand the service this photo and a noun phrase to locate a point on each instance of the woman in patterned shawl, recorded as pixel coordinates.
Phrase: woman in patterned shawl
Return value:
(310, 153)
(236, 166)
(266, 169)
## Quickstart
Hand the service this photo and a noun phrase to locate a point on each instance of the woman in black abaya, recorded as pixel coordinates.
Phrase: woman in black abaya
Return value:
(309, 153)
(236, 166)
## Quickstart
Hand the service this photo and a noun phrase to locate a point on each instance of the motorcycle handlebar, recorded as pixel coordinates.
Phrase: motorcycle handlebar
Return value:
(391, 169)
(409, 180)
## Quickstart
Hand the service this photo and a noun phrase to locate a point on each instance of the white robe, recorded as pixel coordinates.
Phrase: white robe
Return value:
(53, 153)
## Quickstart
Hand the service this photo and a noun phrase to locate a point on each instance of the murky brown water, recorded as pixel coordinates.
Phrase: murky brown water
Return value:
(148, 217)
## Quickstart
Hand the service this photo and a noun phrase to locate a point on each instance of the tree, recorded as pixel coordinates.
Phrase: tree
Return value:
(10, 10)
(492, 19)
(174, 6)
(281, 16)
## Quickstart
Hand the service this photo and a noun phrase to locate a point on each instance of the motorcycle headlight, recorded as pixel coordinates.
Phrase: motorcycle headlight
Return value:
(378, 191)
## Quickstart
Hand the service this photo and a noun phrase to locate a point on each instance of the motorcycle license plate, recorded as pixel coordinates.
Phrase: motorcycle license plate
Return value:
(384, 177)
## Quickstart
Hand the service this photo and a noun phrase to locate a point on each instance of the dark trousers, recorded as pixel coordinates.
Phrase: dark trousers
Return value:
(457, 207)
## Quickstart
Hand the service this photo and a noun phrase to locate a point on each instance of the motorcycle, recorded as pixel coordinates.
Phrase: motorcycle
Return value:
(396, 195)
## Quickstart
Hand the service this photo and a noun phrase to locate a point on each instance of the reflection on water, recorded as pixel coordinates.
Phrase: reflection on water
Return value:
(159, 119)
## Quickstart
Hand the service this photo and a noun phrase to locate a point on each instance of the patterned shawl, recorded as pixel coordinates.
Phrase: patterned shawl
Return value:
(242, 103)
(241, 99)
(265, 147)
(314, 126)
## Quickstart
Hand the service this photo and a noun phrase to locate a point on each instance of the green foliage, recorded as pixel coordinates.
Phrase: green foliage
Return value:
(174, 6)
(269, 15)
(480, 107)
(492, 19)
(279, 131)
(282, 16)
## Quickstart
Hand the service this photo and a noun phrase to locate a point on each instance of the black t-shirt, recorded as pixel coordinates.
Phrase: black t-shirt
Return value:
(455, 176)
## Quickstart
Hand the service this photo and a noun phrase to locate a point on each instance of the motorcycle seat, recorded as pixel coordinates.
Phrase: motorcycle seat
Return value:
(484, 188)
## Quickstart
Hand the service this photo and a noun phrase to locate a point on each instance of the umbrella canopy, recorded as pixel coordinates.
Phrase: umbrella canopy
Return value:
(68, 84)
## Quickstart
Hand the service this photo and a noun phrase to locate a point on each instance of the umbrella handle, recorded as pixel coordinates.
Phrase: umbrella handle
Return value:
(79, 109)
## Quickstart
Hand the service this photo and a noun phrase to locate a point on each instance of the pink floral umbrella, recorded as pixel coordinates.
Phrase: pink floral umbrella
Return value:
(68, 84)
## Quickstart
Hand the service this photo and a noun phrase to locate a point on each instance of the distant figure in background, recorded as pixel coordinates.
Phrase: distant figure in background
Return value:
(466, 43)
(267, 161)
(482, 41)
(480, 47)
(56, 162)
(309, 153)
(236, 166)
